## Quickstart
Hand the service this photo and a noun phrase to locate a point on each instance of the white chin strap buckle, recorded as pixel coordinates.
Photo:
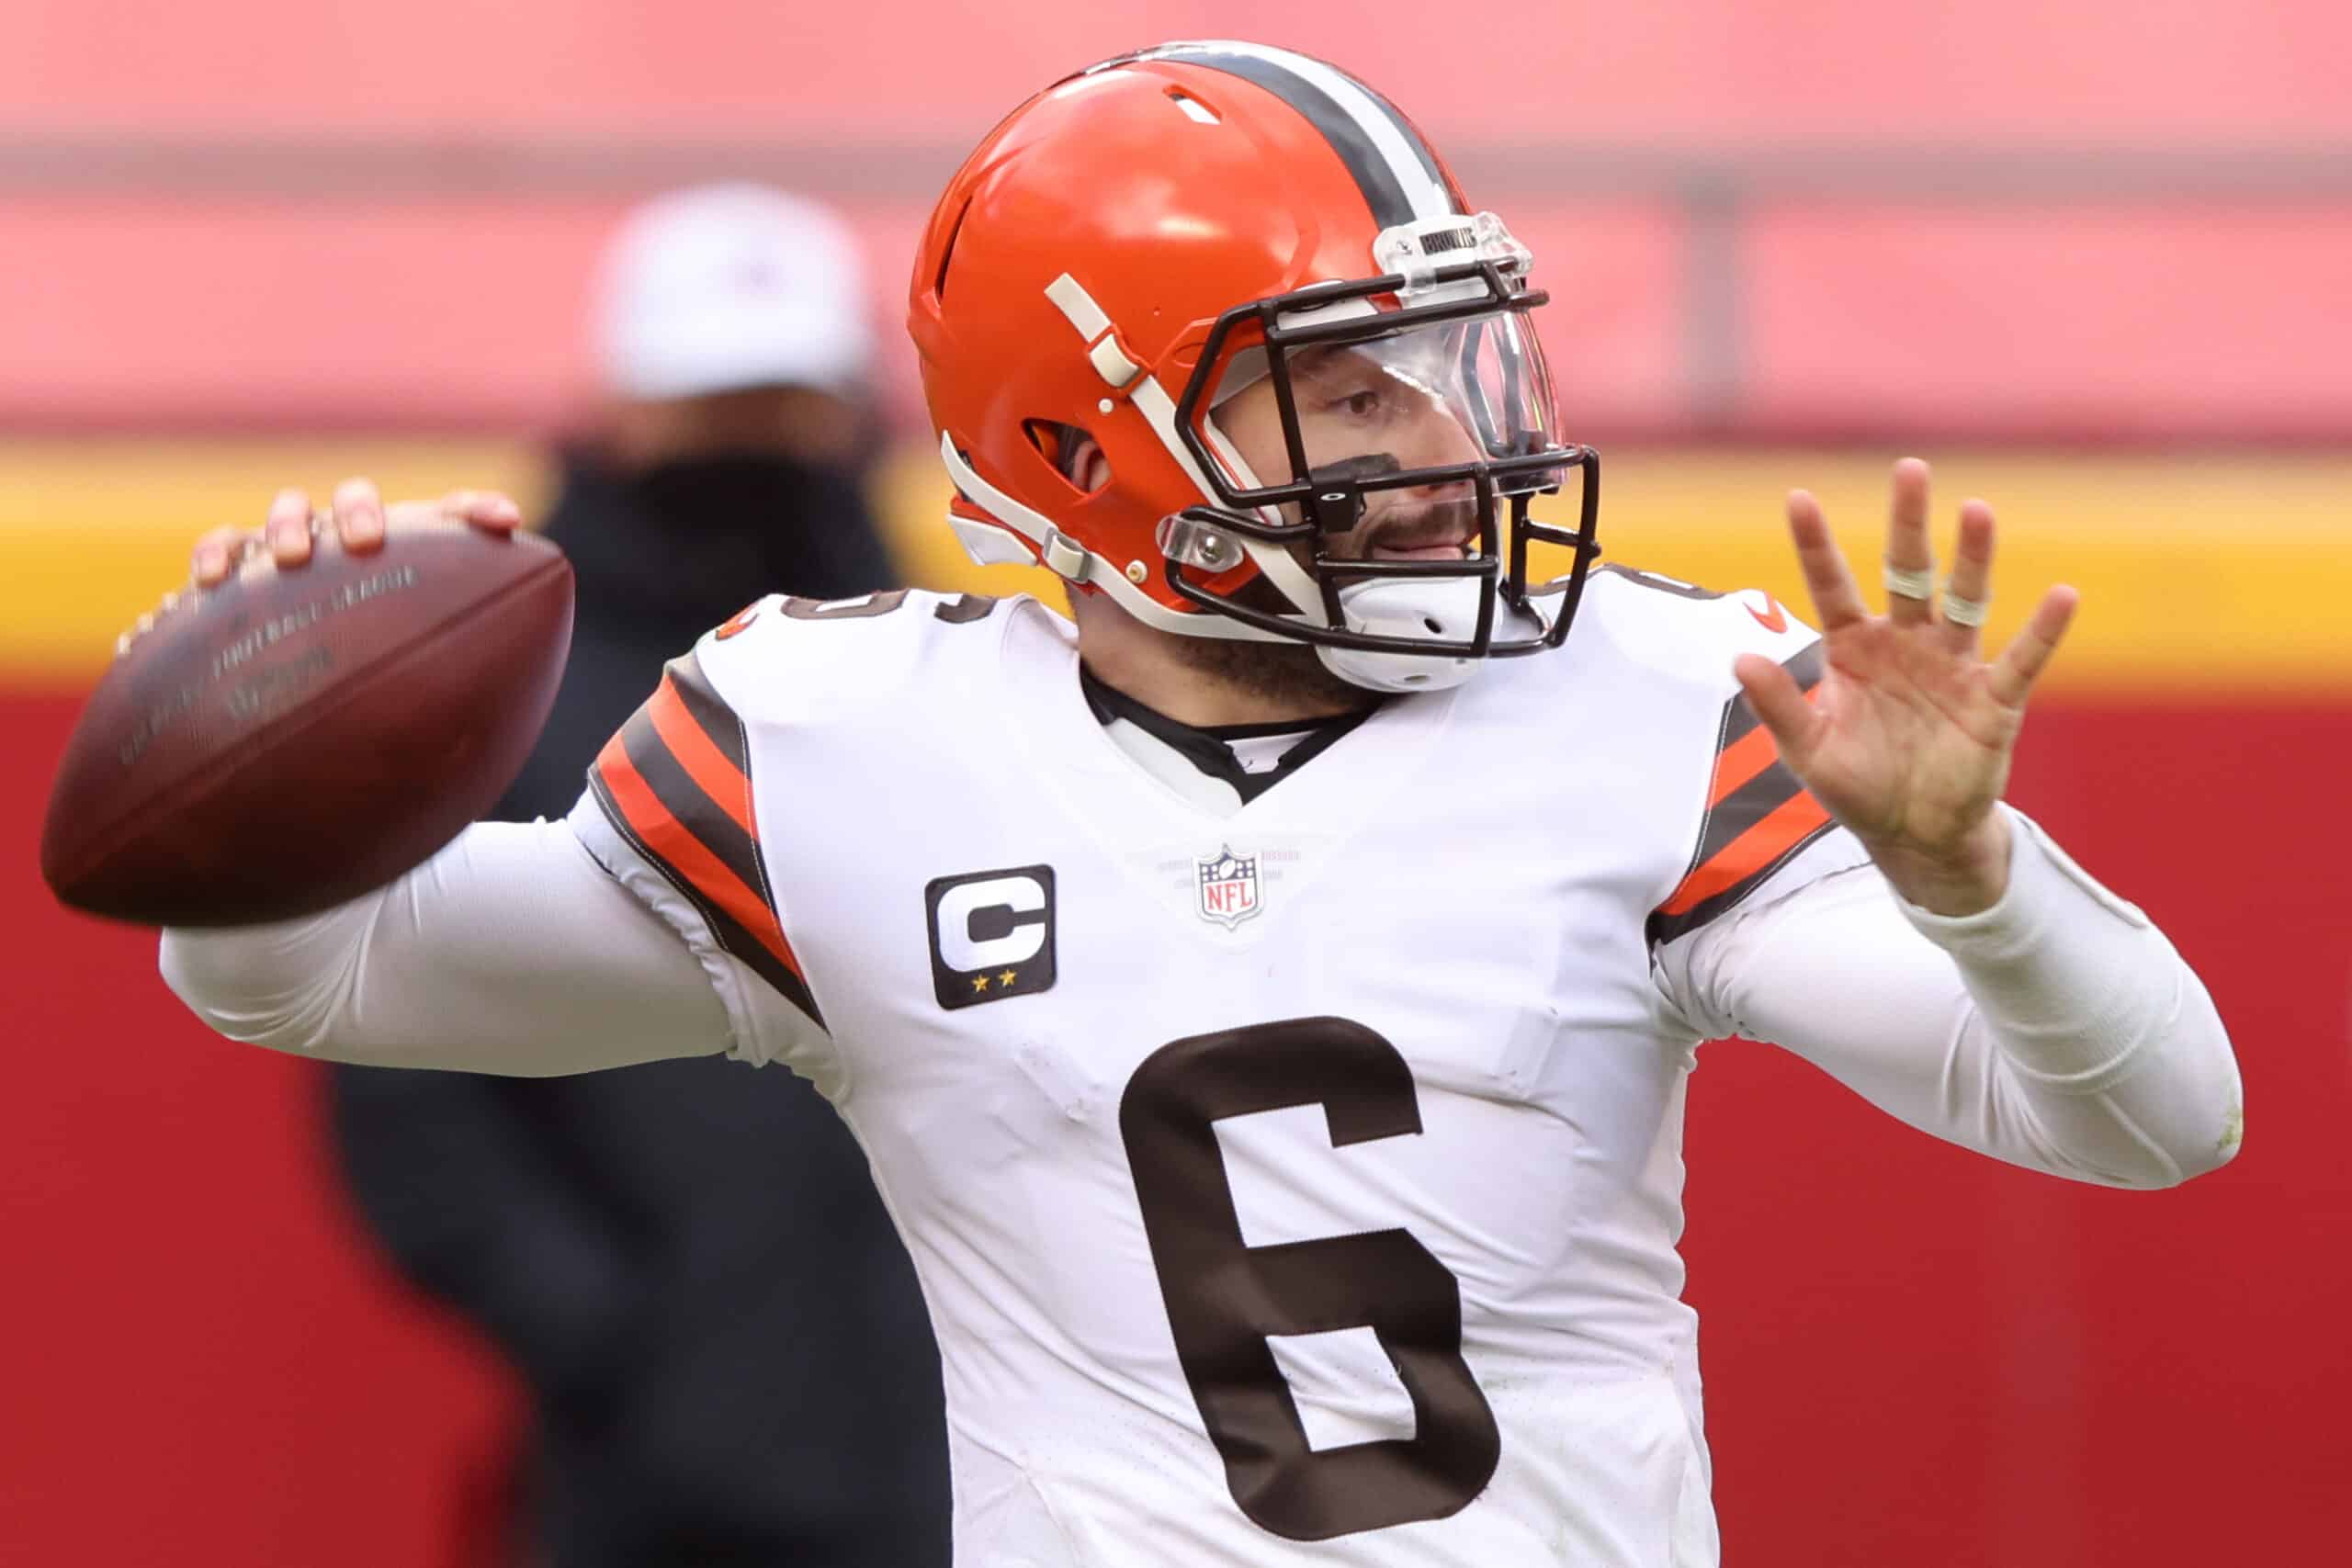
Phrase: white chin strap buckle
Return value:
(1065, 557)
(1431, 609)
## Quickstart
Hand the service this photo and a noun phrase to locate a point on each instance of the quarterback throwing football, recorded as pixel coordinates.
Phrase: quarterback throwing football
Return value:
(1267, 1007)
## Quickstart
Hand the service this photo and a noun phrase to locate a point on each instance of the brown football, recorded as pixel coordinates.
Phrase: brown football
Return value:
(285, 741)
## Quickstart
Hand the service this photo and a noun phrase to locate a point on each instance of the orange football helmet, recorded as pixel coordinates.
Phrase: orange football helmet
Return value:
(1159, 232)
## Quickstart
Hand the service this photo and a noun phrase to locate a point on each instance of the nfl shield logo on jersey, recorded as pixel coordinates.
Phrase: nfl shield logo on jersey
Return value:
(1228, 886)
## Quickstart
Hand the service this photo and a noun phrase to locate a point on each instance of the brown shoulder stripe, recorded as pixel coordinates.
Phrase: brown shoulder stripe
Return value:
(676, 795)
(708, 710)
(1758, 815)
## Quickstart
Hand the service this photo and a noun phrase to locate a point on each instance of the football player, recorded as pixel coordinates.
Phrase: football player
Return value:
(1267, 1004)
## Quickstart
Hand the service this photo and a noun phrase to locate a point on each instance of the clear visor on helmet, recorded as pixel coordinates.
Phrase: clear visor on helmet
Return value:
(1432, 404)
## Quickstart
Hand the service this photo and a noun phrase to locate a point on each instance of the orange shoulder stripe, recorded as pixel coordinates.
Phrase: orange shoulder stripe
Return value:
(1770, 837)
(1748, 756)
(709, 768)
(676, 846)
(1742, 761)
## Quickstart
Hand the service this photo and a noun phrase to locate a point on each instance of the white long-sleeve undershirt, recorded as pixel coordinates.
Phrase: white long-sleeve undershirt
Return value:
(2058, 1030)
(511, 952)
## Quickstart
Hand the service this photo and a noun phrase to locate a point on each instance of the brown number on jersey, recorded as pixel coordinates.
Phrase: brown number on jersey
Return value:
(1224, 1297)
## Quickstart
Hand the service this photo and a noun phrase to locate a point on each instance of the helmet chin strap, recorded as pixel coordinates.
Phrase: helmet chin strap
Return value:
(1432, 608)
(1429, 608)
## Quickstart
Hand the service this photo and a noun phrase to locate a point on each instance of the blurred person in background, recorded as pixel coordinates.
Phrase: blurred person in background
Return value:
(687, 1262)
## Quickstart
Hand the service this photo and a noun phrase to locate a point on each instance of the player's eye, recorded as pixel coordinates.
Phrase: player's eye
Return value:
(1362, 403)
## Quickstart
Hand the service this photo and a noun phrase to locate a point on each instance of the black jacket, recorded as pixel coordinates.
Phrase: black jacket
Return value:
(687, 1260)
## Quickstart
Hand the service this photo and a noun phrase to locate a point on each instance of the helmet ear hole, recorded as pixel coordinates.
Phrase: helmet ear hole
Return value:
(1072, 453)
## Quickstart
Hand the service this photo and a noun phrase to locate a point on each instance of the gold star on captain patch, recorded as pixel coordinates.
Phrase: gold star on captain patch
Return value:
(980, 982)
(1007, 977)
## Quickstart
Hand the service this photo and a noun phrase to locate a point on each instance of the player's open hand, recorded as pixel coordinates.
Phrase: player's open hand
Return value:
(1907, 739)
(358, 517)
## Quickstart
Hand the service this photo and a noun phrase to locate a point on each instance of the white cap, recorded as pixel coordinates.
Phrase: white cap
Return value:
(731, 285)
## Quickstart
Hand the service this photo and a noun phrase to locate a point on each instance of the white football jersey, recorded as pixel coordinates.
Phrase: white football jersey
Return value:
(1294, 1184)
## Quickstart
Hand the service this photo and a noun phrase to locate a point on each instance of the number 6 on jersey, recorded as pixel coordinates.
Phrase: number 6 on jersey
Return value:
(1224, 1298)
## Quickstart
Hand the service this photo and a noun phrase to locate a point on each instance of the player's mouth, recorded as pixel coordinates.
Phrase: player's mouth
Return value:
(1446, 536)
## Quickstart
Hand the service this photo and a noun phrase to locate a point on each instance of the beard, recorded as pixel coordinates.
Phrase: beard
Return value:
(1291, 675)
(1291, 672)
(1284, 672)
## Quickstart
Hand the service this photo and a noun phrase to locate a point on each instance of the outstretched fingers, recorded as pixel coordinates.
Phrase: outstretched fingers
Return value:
(2029, 653)
(1909, 553)
(1837, 601)
(1779, 704)
(1971, 575)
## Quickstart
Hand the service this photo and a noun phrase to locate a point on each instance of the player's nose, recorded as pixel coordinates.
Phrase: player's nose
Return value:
(1437, 440)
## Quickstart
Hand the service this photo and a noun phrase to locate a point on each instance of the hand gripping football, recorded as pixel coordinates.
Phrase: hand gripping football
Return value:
(290, 740)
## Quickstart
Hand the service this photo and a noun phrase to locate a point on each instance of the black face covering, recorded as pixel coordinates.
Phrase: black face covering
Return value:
(736, 491)
(731, 526)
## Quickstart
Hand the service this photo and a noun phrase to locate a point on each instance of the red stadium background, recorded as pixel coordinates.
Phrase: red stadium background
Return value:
(2090, 257)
